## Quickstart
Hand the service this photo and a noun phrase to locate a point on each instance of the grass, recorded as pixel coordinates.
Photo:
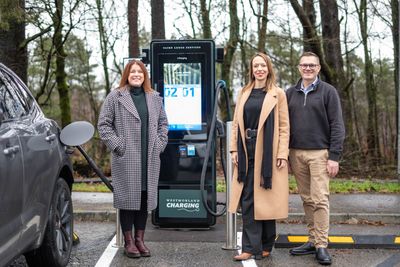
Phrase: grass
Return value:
(337, 186)
(340, 186)
(90, 187)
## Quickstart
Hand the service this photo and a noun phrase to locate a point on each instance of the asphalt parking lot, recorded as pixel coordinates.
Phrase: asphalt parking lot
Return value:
(204, 247)
(350, 217)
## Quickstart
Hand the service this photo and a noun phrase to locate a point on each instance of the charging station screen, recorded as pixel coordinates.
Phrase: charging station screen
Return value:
(182, 95)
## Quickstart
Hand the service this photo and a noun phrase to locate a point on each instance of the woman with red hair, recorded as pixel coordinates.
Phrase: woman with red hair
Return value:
(133, 125)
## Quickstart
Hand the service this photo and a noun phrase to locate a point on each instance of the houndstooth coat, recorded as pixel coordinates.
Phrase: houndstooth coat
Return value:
(119, 128)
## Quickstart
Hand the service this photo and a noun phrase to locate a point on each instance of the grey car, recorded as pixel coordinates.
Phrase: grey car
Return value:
(36, 216)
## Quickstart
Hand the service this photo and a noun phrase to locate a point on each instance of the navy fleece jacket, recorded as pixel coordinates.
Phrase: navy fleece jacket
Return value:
(316, 120)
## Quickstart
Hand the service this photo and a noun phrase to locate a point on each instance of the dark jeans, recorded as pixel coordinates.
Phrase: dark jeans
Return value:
(258, 235)
(137, 218)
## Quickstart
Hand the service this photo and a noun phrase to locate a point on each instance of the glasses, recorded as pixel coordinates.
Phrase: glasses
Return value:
(305, 66)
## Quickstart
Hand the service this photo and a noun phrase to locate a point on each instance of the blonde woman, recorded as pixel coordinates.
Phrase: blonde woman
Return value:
(259, 149)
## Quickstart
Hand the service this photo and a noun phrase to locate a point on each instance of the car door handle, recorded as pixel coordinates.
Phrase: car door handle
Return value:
(11, 150)
(50, 138)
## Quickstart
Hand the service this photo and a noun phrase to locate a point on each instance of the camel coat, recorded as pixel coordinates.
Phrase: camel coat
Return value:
(272, 203)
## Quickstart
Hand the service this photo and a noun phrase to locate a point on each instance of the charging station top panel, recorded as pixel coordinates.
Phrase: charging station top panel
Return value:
(183, 72)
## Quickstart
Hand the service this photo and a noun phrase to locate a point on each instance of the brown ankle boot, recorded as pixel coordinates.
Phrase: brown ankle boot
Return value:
(130, 249)
(139, 242)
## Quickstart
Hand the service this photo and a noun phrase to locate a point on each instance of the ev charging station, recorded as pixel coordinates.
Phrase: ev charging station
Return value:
(183, 72)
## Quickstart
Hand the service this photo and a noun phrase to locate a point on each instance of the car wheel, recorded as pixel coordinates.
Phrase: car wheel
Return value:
(56, 248)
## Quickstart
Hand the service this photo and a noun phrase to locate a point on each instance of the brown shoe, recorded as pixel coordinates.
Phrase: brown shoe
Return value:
(246, 256)
(139, 242)
(130, 249)
(266, 253)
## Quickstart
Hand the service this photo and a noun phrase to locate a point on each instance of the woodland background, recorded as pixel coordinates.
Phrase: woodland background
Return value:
(70, 53)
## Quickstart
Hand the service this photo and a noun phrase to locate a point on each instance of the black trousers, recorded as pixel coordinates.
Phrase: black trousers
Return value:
(257, 235)
(135, 218)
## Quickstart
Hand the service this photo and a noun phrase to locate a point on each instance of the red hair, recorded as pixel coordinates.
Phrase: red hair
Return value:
(125, 75)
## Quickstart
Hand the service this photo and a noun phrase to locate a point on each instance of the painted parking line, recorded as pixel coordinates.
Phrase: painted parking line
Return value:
(246, 263)
(296, 238)
(343, 241)
(108, 254)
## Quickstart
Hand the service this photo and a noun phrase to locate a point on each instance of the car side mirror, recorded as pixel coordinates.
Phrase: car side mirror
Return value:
(76, 133)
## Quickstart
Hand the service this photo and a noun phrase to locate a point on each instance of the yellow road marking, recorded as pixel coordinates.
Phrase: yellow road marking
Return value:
(298, 238)
(332, 239)
(341, 239)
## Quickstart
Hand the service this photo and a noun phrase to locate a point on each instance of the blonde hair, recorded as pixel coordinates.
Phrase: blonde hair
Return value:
(271, 78)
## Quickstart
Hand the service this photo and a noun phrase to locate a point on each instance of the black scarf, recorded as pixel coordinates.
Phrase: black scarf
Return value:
(266, 167)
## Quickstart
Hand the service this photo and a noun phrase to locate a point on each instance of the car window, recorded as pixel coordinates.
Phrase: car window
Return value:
(12, 103)
(24, 96)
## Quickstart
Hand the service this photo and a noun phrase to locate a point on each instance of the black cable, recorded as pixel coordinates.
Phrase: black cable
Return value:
(207, 155)
(228, 104)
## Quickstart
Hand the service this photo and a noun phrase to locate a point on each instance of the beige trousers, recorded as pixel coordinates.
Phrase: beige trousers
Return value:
(309, 169)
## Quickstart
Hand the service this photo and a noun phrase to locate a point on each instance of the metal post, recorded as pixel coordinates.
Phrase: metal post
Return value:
(231, 237)
(119, 239)
(398, 114)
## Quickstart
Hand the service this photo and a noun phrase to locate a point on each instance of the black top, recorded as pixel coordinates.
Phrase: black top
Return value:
(139, 100)
(316, 120)
(252, 108)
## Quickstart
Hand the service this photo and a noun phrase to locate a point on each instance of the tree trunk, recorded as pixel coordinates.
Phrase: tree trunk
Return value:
(230, 48)
(262, 35)
(13, 52)
(133, 28)
(103, 44)
(333, 56)
(309, 40)
(313, 40)
(396, 47)
(188, 7)
(372, 128)
(61, 76)
(205, 18)
(157, 19)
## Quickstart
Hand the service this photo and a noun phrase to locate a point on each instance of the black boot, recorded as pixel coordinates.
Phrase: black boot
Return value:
(130, 249)
(323, 256)
(139, 242)
(305, 249)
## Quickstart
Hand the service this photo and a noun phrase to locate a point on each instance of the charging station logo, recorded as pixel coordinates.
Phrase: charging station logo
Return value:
(176, 203)
(188, 205)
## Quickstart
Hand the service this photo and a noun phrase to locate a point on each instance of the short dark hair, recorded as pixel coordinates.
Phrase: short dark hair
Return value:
(309, 54)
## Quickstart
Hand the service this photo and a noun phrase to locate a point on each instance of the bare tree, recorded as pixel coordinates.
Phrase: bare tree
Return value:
(157, 19)
(231, 44)
(333, 56)
(13, 52)
(312, 39)
(205, 18)
(262, 19)
(372, 128)
(396, 47)
(190, 9)
(61, 75)
(103, 40)
(60, 14)
(133, 28)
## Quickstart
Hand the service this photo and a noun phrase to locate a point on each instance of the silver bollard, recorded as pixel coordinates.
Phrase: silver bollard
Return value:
(119, 242)
(231, 234)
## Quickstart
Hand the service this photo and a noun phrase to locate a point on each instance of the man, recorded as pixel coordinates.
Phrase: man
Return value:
(316, 143)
